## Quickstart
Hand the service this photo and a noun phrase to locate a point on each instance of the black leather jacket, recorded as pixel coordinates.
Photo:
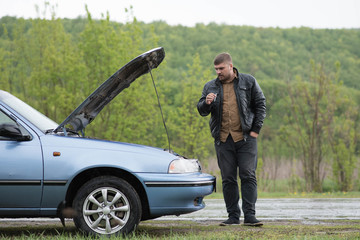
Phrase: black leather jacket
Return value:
(250, 100)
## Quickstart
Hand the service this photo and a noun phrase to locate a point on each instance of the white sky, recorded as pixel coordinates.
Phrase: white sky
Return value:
(260, 13)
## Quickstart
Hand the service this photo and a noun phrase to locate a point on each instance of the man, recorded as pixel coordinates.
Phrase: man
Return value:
(237, 106)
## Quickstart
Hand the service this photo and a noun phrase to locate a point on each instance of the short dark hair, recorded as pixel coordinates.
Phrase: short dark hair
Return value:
(222, 58)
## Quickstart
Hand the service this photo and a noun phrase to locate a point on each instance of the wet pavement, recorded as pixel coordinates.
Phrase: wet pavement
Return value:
(284, 209)
(306, 210)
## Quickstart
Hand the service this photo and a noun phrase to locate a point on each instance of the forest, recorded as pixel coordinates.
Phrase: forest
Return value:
(310, 78)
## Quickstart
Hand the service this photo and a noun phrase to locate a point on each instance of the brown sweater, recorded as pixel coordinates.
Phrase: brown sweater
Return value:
(231, 123)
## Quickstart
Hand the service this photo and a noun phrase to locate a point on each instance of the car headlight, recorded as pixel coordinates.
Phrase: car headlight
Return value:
(182, 165)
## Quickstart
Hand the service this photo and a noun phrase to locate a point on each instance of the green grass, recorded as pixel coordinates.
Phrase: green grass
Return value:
(155, 229)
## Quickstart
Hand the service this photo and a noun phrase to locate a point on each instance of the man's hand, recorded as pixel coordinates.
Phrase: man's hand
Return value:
(254, 134)
(211, 97)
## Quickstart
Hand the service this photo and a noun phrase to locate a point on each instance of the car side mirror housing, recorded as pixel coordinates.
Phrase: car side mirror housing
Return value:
(13, 132)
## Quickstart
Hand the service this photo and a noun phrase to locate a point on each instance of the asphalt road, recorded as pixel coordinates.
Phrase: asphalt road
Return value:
(306, 209)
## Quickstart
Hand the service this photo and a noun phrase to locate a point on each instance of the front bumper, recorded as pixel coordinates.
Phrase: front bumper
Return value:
(176, 194)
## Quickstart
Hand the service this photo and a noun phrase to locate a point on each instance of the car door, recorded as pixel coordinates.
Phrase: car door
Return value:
(21, 168)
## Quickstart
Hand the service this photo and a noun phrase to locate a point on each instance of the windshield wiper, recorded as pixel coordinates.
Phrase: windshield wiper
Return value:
(69, 130)
(49, 131)
(66, 132)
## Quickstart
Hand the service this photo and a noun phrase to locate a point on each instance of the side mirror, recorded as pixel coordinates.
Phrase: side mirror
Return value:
(12, 131)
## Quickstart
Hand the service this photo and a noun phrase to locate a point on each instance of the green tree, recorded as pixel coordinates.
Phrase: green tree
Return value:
(43, 67)
(5, 64)
(312, 107)
(343, 137)
(14, 68)
(192, 131)
(130, 116)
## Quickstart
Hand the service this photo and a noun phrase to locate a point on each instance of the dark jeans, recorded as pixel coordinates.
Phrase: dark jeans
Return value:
(232, 156)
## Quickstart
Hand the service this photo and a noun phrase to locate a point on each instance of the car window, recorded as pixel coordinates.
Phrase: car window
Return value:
(32, 115)
(5, 119)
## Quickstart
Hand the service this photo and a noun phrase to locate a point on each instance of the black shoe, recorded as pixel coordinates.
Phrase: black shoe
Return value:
(252, 221)
(230, 221)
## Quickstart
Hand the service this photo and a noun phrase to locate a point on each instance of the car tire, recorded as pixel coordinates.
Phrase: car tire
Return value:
(107, 205)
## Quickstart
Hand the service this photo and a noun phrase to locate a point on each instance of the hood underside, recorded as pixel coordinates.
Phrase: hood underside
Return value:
(90, 108)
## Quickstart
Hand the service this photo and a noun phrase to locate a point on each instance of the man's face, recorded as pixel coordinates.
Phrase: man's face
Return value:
(224, 71)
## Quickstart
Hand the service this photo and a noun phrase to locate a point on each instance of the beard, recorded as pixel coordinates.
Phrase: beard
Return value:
(224, 77)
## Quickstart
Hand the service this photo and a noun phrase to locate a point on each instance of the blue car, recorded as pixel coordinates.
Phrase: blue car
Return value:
(52, 170)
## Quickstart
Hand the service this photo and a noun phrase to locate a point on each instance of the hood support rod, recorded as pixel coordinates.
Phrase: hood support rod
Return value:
(162, 115)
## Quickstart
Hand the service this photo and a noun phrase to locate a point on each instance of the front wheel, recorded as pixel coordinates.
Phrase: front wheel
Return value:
(107, 205)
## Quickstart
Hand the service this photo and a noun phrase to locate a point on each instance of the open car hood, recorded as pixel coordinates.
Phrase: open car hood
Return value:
(86, 112)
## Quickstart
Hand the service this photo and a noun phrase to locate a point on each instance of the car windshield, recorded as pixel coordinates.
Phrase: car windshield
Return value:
(35, 117)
